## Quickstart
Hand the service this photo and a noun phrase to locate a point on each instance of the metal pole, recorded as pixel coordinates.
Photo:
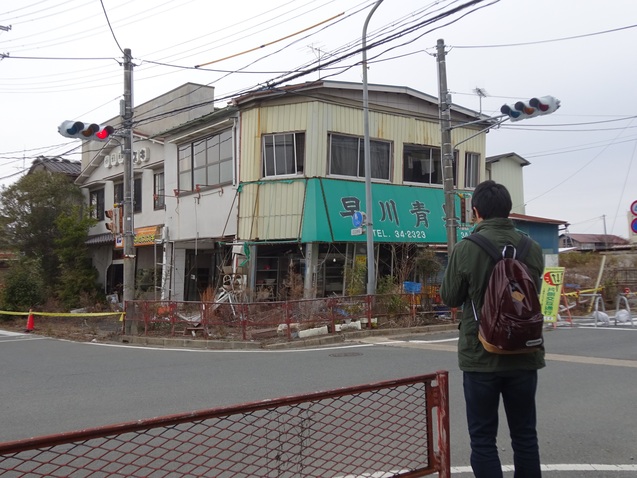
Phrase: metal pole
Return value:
(371, 265)
(444, 101)
(129, 227)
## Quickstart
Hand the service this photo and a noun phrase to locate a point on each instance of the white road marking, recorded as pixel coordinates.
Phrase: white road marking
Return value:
(559, 467)
(11, 334)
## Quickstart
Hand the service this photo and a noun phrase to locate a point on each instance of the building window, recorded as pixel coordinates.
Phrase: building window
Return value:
(97, 204)
(283, 154)
(118, 194)
(471, 170)
(206, 162)
(423, 164)
(159, 191)
(347, 157)
(137, 195)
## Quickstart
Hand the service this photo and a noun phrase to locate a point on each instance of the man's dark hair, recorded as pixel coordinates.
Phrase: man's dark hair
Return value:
(491, 200)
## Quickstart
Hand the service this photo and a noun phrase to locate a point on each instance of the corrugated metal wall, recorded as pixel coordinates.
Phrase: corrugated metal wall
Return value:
(508, 172)
(273, 209)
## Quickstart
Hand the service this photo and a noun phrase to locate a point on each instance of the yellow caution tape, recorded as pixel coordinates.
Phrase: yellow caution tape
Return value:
(66, 314)
(580, 292)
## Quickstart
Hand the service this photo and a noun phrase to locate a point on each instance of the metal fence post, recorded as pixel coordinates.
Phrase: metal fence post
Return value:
(444, 448)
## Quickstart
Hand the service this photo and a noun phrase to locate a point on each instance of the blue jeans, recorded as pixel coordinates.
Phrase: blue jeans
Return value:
(482, 396)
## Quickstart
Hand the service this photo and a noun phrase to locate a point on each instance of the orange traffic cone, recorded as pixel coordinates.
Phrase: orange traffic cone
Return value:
(30, 322)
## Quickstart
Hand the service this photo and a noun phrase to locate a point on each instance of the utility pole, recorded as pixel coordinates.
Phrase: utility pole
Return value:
(129, 228)
(444, 102)
(371, 257)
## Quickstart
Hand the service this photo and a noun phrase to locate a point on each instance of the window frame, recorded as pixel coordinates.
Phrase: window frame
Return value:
(159, 190)
(376, 145)
(118, 194)
(471, 169)
(97, 203)
(416, 148)
(296, 148)
(207, 162)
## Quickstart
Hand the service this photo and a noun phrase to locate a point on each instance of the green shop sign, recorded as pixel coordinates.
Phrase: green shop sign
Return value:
(400, 213)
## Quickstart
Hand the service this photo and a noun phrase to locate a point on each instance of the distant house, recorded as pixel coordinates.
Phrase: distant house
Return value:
(543, 230)
(67, 167)
(591, 242)
(507, 169)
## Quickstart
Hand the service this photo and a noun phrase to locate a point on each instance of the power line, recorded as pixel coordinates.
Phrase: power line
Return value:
(111, 27)
(504, 45)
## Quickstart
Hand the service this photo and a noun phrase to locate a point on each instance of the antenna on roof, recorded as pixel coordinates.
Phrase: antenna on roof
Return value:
(482, 93)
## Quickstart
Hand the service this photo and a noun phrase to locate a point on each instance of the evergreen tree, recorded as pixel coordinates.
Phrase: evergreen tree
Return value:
(41, 217)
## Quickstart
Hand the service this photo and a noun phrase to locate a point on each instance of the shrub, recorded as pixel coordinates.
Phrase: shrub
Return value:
(23, 287)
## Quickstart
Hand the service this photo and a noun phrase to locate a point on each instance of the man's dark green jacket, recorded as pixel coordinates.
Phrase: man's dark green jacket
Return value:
(466, 279)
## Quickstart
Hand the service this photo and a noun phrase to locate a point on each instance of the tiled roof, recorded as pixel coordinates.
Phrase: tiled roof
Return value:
(596, 239)
(57, 165)
(544, 220)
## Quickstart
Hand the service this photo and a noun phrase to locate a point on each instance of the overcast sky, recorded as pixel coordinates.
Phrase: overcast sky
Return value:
(60, 60)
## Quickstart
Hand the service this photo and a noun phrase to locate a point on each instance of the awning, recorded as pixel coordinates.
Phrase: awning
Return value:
(100, 239)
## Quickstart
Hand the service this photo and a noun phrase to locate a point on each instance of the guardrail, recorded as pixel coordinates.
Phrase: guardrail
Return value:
(397, 428)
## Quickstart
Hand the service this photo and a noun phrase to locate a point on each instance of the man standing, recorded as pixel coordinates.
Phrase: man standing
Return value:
(487, 376)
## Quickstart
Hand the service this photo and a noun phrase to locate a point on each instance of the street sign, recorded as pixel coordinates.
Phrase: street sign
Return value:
(358, 231)
(633, 225)
(358, 219)
(633, 208)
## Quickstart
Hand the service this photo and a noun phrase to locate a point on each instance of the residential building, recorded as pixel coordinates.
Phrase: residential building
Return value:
(67, 167)
(102, 179)
(591, 242)
(295, 172)
(507, 169)
(272, 187)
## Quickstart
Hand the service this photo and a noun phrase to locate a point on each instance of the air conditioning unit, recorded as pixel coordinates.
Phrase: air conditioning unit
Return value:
(107, 161)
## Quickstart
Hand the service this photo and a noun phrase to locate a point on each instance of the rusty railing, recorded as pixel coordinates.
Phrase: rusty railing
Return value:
(397, 428)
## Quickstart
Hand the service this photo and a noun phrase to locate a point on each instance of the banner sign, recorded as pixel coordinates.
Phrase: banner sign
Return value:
(551, 292)
(334, 210)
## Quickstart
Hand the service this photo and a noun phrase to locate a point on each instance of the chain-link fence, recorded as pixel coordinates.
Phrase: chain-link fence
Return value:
(397, 428)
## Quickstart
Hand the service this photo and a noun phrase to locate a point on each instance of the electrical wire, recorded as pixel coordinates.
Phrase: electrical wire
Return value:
(111, 27)
(303, 72)
(503, 45)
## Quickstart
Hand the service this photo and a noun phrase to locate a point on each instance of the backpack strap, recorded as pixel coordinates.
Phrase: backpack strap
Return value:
(485, 244)
(523, 248)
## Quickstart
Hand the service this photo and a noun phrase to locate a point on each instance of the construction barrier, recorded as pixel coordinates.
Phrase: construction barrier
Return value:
(397, 428)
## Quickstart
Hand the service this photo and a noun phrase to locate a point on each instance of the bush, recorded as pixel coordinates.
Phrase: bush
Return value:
(23, 287)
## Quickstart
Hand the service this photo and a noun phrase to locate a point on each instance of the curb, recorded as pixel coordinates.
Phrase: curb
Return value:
(331, 339)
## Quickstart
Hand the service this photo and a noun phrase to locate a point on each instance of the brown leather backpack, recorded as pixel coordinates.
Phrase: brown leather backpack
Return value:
(511, 319)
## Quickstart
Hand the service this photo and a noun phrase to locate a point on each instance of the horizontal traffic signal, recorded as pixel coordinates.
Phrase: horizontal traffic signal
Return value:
(538, 106)
(86, 131)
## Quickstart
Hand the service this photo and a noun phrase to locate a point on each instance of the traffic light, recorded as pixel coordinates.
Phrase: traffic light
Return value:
(110, 224)
(543, 105)
(114, 220)
(85, 131)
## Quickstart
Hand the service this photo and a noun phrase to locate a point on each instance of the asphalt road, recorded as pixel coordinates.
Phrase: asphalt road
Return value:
(586, 398)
